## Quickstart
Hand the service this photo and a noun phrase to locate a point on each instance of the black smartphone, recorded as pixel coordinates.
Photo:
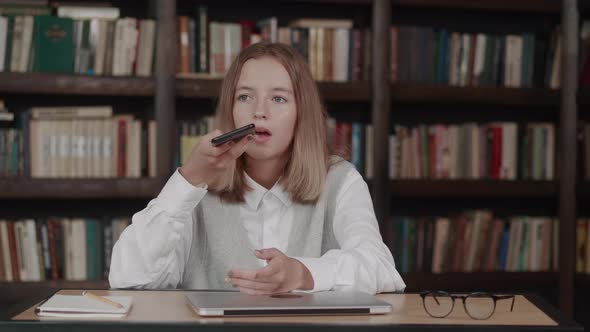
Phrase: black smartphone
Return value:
(234, 135)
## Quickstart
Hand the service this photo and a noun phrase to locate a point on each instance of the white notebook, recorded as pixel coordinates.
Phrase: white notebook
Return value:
(80, 306)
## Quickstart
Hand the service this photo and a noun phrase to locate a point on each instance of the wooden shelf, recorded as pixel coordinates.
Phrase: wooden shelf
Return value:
(472, 188)
(330, 91)
(64, 84)
(480, 281)
(444, 94)
(542, 6)
(79, 188)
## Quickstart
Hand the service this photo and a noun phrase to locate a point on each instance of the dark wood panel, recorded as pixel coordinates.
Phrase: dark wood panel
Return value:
(480, 281)
(584, 96)
(566, 155)
(444, 94)
(583, 281)
(583, 189)
(472, 188)
(544, 6)
(165, 71)
(330, 91)
(64, 84)
(79, 188)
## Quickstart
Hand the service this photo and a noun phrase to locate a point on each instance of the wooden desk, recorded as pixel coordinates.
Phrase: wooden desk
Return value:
(169, 310)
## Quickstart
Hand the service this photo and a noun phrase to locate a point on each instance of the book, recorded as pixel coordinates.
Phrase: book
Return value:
(81, 306)
(53, 44)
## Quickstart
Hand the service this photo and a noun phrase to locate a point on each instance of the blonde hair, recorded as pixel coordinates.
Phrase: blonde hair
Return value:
(305, 173)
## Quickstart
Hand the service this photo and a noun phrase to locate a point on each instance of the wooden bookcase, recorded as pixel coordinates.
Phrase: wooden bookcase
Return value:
(164, 95)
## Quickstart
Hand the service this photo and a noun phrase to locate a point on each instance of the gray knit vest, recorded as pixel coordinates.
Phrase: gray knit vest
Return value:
(220, 241)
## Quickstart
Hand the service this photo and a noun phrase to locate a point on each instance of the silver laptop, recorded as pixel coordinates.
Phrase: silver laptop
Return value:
(212, 303)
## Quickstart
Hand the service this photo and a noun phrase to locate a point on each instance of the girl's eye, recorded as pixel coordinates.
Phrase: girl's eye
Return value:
(279, 100)
(243, 97)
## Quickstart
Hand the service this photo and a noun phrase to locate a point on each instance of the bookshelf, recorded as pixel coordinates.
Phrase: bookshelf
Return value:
(170, 96)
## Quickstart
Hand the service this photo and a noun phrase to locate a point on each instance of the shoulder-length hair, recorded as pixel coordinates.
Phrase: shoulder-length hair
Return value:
(305, 173)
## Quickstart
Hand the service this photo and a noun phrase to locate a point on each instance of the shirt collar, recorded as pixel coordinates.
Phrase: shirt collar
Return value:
(254, 196)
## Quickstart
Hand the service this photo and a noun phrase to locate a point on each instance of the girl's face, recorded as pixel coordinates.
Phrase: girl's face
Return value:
(264, 96)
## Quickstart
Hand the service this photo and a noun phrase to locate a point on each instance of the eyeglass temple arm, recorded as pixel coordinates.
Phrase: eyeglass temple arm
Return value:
(504, 297)
(433, 296)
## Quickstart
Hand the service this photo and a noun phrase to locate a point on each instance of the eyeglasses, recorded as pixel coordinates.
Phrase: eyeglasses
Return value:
(478, 305)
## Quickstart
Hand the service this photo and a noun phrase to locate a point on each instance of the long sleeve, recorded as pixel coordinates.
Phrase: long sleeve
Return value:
(153, 250)
(363, 261)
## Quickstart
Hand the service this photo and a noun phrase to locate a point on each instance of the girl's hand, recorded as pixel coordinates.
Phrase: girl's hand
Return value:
(282, 274)
(206, 162)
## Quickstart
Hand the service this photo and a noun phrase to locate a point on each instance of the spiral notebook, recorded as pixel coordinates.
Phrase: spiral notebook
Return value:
(79, 306)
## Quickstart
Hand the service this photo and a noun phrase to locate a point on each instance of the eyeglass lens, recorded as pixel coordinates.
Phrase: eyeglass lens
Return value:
(479, 306)
(438, 304)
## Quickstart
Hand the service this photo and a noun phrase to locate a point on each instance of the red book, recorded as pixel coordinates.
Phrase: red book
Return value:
(247, 30)
(496, 151)
(13, 255)
(459, 250)
(357, 55)
(121, 148)
(52, 251)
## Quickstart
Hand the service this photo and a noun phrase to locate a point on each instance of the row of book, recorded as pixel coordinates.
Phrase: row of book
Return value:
(83, 40)
(430, 55)
(348, 140)
(472, 151)
(58, 248)
(78, 142)
(475, 241)
(334, 50)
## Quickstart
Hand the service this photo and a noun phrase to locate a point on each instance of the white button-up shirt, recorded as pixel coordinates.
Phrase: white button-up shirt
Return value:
(363, 261)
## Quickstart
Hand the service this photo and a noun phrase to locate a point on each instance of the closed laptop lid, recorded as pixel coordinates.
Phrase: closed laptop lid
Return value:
(321, 303)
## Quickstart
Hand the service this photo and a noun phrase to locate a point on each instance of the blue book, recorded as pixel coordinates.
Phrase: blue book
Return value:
(443, 53)
(356, 155)
(503, 250)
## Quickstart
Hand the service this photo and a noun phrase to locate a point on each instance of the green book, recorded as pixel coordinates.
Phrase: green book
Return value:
(8, 50)
(53, 44)
(91, 249)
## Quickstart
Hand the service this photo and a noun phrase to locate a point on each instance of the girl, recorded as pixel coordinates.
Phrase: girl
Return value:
(271, 213)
